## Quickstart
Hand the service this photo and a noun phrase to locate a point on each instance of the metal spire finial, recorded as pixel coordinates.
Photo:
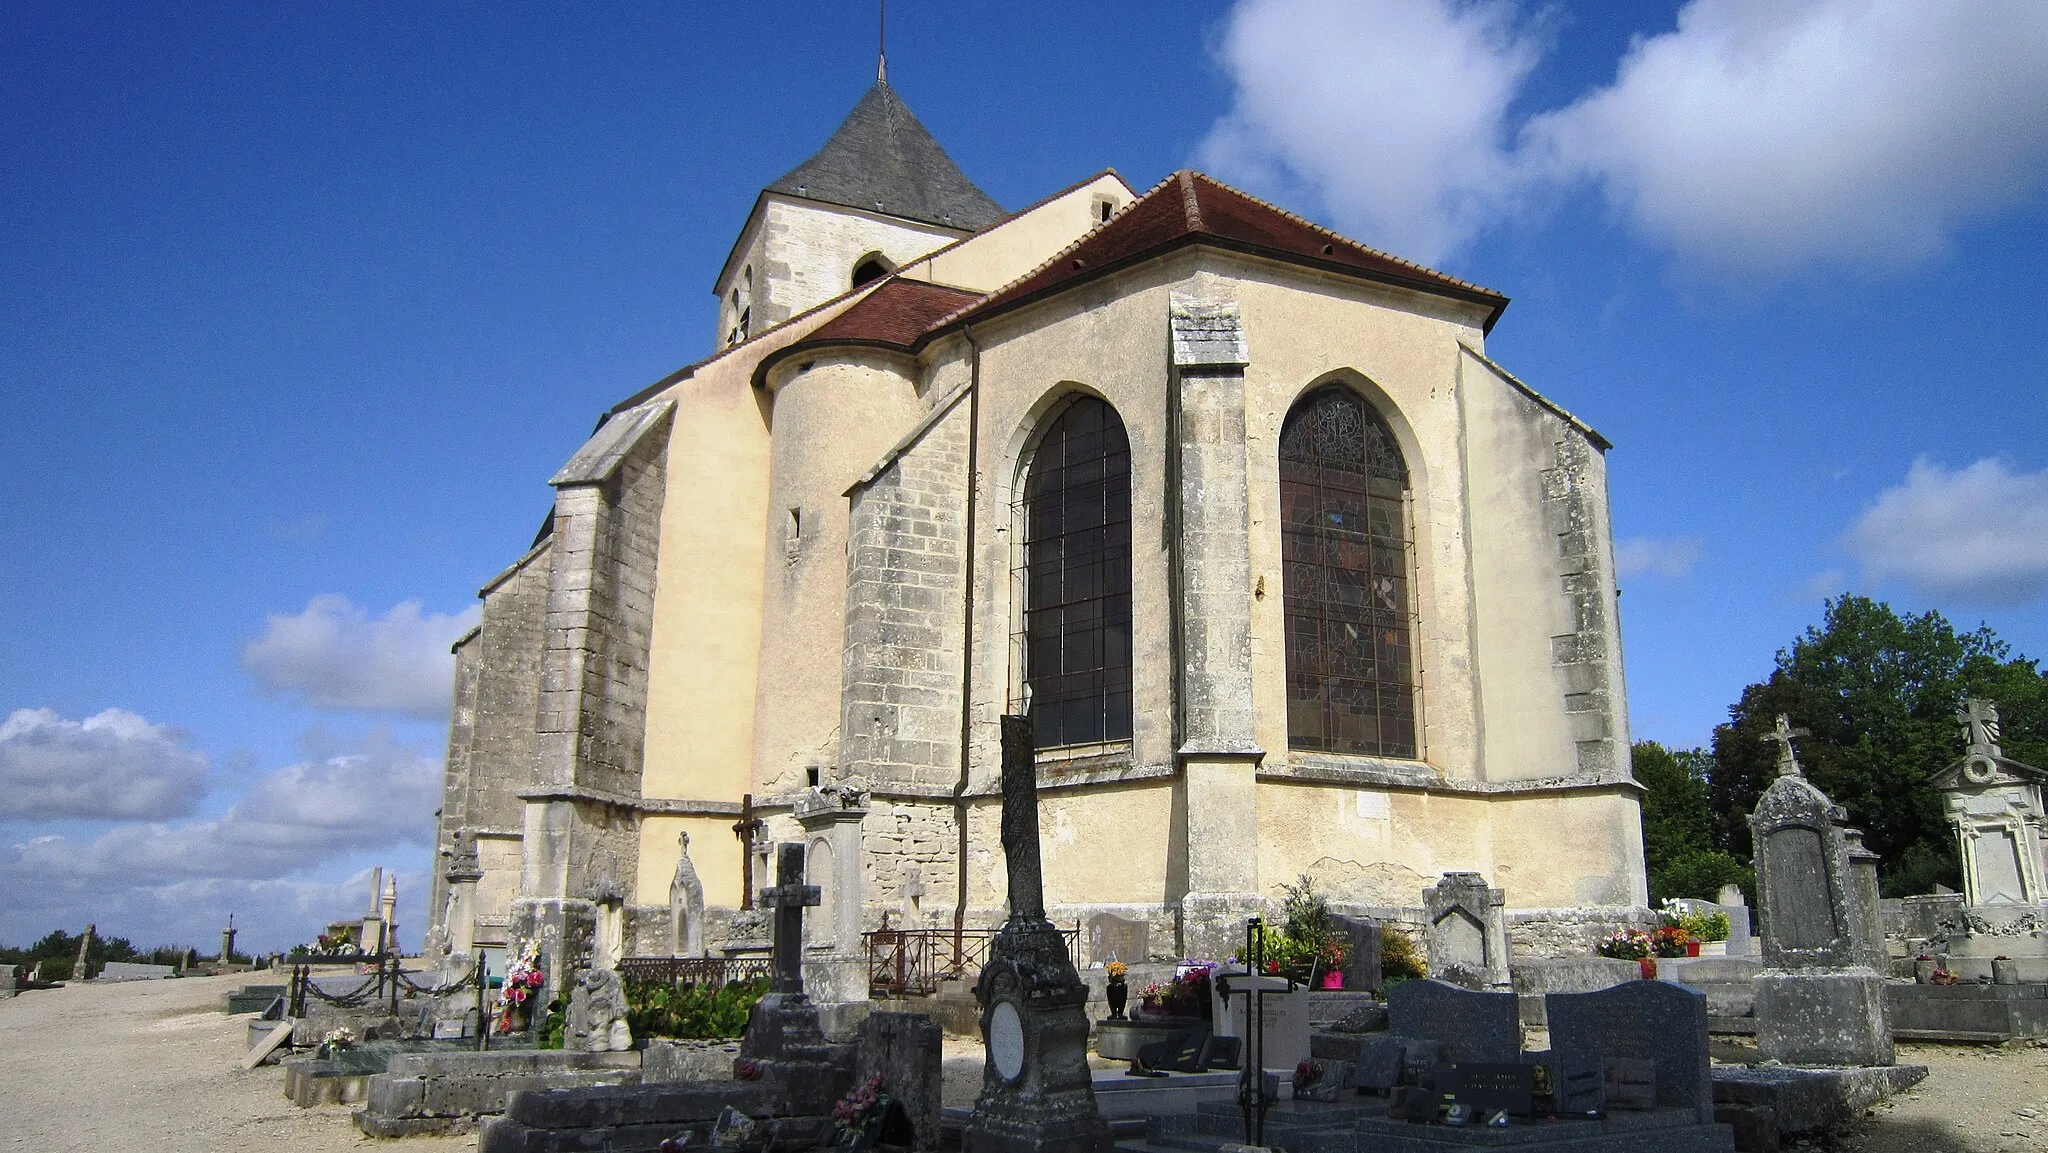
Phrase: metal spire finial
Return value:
(882, 45)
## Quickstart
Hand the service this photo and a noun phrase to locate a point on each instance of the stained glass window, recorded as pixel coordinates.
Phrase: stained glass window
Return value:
(1076, 578)
(1345, 550)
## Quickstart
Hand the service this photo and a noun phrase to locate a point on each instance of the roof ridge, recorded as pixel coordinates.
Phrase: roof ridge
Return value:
(1335, 235)
(1055, 258)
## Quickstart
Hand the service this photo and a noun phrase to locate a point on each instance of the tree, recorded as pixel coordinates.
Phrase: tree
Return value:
(1678, 825)
(1878, 693)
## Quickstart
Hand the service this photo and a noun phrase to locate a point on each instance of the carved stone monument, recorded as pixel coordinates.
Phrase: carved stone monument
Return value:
(1816, 1002)
(686, 904)
(596, 1021)
(1468, 937)
(1994, 803)
(1037, 1095)
(836, 969)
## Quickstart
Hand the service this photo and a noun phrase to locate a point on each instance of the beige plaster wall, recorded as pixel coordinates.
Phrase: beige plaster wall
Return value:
(1108, 845)
(499, 858)
(714, 853)
(995, 257)
(1383, 847)
(832, 421)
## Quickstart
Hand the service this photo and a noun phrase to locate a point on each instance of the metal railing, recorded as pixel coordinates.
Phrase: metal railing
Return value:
(912, 962)
(713, 972)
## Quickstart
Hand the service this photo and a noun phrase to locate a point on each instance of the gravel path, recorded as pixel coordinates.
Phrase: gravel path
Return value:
(155, 1065)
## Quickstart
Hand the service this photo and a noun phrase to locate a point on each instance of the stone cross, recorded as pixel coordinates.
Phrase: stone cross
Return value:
(789, 898)
(1979, 719)
(1020, 821)
(78, 972)
(686, 903)
(1782, 734)
(744, 829)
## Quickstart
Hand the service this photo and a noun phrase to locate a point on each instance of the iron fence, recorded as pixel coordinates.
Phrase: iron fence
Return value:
(911, 962)
(712, 972)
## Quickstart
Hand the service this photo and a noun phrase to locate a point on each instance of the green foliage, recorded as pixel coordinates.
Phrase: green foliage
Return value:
(659, 1009)
(59, 949)
(1700, 874)
(1879, 692)
(554, 1027)
(1400, 960)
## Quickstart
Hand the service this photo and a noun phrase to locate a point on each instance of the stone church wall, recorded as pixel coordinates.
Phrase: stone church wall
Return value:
(508, 648)
(806, 252)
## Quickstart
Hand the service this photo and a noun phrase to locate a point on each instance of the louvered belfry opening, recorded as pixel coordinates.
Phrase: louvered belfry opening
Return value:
(1076, 578)
(1347, 555)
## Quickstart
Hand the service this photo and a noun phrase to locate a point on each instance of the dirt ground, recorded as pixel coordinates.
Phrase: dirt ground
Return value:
(155, 1065)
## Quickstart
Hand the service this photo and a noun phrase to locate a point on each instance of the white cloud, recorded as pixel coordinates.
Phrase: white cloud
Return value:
(1978, 534)
(261, 858)
(1763, 134)
(1759, 135)
(337, 656)
(1392, 115)
(112, 765)
(1663, 556)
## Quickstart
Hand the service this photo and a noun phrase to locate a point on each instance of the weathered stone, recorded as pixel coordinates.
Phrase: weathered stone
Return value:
(1823, 1018)
(1467, 929)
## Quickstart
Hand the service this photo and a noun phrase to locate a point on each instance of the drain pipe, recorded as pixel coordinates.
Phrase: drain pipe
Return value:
(967, 638)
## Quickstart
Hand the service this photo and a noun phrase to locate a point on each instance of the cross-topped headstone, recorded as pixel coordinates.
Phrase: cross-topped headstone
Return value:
(1781, 734)
(1979, 719)
(789, 898)
(744, 829)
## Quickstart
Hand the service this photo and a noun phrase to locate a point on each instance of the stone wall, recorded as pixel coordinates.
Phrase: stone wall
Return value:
(422, 1093)
(900, 710)
(1549, 933)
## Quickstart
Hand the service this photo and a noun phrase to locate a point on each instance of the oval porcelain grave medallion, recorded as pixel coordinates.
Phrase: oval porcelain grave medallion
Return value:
(1006, 1040)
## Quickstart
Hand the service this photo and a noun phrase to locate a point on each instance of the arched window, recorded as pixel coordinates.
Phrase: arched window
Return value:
(1076, 578)
(873, 266)
(1344, 541)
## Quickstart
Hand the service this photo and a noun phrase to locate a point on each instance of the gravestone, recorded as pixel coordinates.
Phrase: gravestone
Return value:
(7, 982)
(1283, 1014)
(1994, 807)
(1362, 960)
(1114, 938)
(1653, 1021)
(784, 1040)
(1467, 925)
(1377, 1062)
(1037, 1094)
(1870, 949)
(1569, 1084)
(1467, 1024)
(905, 1050)
(78, 969)
(1491, 1086)
(686, 903)
(1816, 1004)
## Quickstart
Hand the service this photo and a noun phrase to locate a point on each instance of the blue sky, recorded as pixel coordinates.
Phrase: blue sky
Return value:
(302, 306)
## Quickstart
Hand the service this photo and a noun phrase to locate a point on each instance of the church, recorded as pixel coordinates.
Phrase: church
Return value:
(1288, 575)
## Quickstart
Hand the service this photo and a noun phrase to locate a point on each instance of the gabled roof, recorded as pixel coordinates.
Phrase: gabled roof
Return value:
(894, 315)
(1190, 208)
(882, 160)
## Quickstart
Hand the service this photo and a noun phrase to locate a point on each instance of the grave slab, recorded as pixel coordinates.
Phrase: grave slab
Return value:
(1469, 1025)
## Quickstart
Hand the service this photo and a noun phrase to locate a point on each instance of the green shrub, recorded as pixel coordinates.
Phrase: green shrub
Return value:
(1400, 960)
(659, 1009)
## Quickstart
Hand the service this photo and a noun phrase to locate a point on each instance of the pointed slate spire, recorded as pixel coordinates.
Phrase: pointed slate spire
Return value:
(882, 160)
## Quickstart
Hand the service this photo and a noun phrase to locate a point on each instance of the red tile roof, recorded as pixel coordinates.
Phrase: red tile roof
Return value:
(896, 313)
(1190, 208)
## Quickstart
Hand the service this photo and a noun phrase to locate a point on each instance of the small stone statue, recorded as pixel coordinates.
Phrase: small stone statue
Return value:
(597, 1014)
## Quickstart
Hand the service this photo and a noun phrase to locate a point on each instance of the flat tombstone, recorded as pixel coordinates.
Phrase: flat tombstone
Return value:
(1379, 1060)
(1469, 1025)
(1654, 1021)
(905, 1049)
(1113, 938)
(1362, 960)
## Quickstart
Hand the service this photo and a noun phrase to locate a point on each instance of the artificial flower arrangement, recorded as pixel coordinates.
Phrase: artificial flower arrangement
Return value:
(337, 1040)
(1187, 995)
(1626, 945)
(861, 1110)
(1117, 970)
(523, 981)
(1670, 941)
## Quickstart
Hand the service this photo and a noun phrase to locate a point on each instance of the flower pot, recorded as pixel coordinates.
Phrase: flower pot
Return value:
(1692, 948)
(1334, 979)
(1647, 966)
(1713, 949)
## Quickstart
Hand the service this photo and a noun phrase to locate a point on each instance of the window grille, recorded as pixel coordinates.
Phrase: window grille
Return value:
(1075, 578)
(1347, 558)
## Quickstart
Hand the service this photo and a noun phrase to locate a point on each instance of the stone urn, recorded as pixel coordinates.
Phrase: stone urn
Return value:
(1119, 995)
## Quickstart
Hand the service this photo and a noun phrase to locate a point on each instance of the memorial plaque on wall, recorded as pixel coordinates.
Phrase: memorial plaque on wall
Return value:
(1112, 938)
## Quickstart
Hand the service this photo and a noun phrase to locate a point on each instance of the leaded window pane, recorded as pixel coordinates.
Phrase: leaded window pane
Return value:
(1345, 575)
(1077, 578)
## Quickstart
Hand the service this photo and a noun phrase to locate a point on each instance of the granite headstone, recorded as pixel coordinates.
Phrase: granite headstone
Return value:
(1468, 1024)
(1656, 1021)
